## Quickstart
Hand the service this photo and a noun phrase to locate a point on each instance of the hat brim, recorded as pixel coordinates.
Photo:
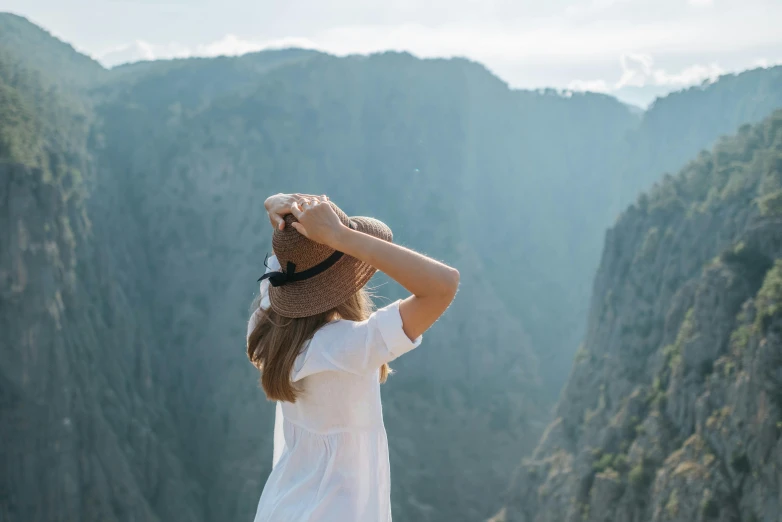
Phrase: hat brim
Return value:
(332, 287)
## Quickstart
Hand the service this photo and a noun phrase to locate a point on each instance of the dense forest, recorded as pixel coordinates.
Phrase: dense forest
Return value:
(673, 411)
(132, 232)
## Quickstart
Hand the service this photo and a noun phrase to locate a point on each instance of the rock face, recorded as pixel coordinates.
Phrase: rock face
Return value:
(672, 411)
(86, 433)
(131, 236)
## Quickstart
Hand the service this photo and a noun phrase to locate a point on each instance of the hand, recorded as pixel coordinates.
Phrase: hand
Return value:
(317, 220)
(279, 205)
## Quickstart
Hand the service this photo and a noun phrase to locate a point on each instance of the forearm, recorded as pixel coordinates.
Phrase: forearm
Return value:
(432, 284)
(420, 275)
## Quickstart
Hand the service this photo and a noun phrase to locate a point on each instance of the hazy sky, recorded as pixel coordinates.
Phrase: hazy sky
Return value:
(631, 48)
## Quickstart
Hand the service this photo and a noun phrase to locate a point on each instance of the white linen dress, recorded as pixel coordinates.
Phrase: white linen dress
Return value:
(330, 460)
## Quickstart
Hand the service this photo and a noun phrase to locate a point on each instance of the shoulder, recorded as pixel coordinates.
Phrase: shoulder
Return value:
(319, 353)
(340, 330)
(383, 326)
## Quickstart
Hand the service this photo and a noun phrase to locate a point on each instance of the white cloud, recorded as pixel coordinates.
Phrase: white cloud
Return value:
(590, 85)
(229, 45)
(638, 70)
(689, 76)
(530, 40)
(766, 63)
(232, 45)
(140, 50)
(592, 7)
(574, 45)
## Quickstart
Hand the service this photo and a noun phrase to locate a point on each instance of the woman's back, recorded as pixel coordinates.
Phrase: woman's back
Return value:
(330, 448)
(330, 451)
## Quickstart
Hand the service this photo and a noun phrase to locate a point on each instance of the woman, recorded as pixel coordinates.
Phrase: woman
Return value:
(323, 354)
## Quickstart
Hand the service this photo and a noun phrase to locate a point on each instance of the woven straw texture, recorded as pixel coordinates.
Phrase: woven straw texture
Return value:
(330, 288)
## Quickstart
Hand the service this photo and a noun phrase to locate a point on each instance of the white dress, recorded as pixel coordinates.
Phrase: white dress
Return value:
(330, 459)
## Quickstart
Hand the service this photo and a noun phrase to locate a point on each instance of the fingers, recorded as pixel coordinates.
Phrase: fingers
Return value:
(299, 228)
(302, 207)
(296, 204)
(312, 202)
(305, 198)
(275, 220)
(296, 210)
(300, 197)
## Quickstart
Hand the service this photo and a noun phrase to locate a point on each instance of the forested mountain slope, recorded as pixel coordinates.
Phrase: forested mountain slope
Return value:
(85, 435)
(673, 408)
(678, 126)
(126, 286)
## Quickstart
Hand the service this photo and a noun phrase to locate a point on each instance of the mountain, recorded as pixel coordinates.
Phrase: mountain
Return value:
(40, 52)
(676, 127)
(85, 433)
(133, 233)
(673, 409)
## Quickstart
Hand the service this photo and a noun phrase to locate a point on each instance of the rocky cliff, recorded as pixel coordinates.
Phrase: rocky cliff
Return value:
(673, 411)
(132, 234)
(85, 432)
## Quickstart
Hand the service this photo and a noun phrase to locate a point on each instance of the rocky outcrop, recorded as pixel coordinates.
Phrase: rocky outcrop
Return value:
(672, 409)
(82, 425)
(85, 432)
(126, 287)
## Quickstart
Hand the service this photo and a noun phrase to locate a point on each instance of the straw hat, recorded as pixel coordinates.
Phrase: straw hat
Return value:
(315, 278)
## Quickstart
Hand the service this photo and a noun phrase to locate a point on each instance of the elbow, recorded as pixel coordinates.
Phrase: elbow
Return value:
(451, 283)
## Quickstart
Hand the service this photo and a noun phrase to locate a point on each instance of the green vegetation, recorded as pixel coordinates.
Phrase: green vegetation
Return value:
(584, 508)
(709, 204)
(581, 355)
(771, 204)
(610, 463)
(176, 155)
(768, 302)
(752, 262)
(656, 396)
(709, 508)
(686, 330)
(40, 52)
(641, 475)
(672, 506)
(650, 244)
(18, 133)
(730, 171)
(740, 337)
(673, 355)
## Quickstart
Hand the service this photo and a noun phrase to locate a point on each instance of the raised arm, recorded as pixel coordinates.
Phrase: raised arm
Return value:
(432, 283)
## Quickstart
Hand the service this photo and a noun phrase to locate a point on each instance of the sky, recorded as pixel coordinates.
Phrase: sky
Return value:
(632, 49)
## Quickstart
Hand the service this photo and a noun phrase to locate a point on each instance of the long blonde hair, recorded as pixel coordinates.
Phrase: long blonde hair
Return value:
(276, 341)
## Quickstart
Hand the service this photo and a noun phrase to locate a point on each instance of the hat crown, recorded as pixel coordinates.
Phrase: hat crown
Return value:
(291, 246)
(314, 277)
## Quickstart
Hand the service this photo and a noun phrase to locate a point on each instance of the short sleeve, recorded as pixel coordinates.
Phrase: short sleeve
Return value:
(357, 347)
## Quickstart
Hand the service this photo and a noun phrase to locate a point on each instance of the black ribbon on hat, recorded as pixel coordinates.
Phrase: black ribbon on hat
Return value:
(289, 275)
